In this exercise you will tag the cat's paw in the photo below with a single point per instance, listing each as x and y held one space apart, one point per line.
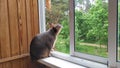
50 55
52 49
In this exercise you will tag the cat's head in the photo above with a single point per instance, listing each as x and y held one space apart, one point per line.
56 28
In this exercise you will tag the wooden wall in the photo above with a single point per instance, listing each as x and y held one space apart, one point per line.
18 25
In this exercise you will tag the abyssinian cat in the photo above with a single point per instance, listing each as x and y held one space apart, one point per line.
43 43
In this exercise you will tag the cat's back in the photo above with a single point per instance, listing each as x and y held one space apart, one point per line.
39 38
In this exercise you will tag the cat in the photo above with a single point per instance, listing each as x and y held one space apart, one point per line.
42 44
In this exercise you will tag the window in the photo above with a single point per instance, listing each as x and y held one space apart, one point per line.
57 12
99 43
91 27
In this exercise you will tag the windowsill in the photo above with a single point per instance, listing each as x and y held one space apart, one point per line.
61 60
54 62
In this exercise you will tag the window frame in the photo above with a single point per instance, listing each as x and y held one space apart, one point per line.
118 61
41 10
111 61
72 39
112 33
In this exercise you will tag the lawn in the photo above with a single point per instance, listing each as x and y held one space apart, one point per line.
93 50
63 45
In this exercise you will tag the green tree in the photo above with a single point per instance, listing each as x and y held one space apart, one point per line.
81 27
92 25
59 14
59 11
98 19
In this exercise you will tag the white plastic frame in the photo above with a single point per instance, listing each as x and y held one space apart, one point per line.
42 24
72 42
112 38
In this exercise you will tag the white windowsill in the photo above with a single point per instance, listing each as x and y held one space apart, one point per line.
61 60
54 62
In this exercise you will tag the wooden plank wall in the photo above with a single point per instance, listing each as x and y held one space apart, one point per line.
18 25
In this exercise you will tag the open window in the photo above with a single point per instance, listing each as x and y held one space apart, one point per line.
91 28
57 11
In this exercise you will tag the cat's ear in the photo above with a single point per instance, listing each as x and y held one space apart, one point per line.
51 25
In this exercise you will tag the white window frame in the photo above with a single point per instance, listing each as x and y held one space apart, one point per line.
41 9
112 48
72 42
118 62
112 33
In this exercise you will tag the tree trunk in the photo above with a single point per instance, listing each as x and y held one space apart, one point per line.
48 5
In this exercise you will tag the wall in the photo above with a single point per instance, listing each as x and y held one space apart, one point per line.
18 25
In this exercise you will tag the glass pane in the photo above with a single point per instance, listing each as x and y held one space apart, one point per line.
118 30
57 12
91 27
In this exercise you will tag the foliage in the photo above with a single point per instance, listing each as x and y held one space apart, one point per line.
62 43
59 14
58 11
91 50
93 24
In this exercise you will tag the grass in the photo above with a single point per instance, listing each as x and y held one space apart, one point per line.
91 50
84 49
62 45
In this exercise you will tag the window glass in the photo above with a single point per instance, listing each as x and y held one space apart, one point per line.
118 50
57 12
91 27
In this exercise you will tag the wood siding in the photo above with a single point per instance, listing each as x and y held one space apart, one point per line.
18 25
